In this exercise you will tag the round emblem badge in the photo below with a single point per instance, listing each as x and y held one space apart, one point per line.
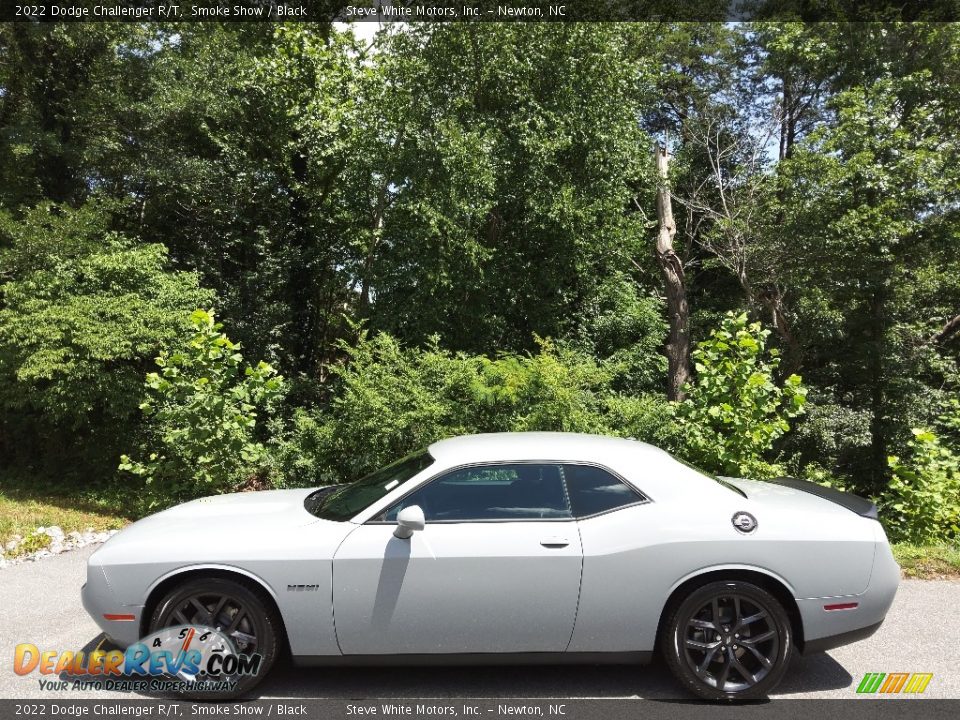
744 522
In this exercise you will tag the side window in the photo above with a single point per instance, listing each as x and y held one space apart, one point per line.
492 492
593 490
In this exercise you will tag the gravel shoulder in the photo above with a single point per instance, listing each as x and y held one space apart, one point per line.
40 603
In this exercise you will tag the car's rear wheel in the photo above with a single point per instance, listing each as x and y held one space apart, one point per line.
234 609
728 641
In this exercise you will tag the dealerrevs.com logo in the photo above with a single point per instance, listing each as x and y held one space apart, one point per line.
185 658
891 683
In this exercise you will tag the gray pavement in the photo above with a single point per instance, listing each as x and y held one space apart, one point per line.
40 603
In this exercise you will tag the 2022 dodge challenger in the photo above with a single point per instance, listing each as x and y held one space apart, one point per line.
511 548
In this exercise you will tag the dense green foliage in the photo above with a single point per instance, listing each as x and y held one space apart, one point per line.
392 400
923 505
202 415
735 411
81 311
480 199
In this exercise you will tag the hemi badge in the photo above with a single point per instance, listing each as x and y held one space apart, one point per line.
841 606
124 618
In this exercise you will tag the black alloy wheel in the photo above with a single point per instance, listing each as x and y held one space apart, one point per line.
728 641
233 608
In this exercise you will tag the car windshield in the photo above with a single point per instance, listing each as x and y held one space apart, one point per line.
342 503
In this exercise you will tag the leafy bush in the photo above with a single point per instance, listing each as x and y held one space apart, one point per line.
202 409
923 504
34 542
650 418
734 411
816 473
557 389
626 329
82 311
831 435
393 400
299 451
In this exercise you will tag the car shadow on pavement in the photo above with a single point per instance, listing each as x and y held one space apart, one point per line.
816 673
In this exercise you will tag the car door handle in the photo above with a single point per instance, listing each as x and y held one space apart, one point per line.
554 542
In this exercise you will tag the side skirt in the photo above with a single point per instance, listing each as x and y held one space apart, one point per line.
467 659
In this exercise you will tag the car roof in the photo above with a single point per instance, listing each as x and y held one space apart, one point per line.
651 470
542 446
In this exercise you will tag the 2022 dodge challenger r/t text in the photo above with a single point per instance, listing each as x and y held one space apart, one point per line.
511 548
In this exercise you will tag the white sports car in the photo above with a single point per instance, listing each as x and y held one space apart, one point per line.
513 548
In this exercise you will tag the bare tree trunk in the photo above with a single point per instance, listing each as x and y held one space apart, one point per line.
772 299
877 373
376 229
302 280
785 120
678 312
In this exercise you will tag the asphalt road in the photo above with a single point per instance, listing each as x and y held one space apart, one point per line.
40 603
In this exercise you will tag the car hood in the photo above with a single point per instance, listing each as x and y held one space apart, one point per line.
222 526
267 504
268 508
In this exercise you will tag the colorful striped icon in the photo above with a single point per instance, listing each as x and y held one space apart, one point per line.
894 683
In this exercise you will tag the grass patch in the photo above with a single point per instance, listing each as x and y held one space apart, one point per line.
32 543
928 562
26 504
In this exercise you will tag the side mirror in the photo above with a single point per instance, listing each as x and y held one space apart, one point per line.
409 520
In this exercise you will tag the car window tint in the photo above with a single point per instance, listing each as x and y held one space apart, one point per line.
593 490
492 492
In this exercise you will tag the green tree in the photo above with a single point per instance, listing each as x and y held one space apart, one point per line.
734 411
81 312
68 94
923 505
868 202
518 156
217 189
202 409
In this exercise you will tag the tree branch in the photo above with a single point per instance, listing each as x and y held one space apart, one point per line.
947 331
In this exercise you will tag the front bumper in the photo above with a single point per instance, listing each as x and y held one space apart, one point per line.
120 623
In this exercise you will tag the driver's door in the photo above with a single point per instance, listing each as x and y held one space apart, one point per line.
495 570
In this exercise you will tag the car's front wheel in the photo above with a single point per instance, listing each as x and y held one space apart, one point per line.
232 608
728 641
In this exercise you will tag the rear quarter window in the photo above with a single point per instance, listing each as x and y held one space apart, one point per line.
594 490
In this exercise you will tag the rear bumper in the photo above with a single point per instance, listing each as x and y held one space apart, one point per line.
811 647
827 624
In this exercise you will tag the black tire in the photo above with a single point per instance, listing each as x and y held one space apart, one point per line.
258 620
728 641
